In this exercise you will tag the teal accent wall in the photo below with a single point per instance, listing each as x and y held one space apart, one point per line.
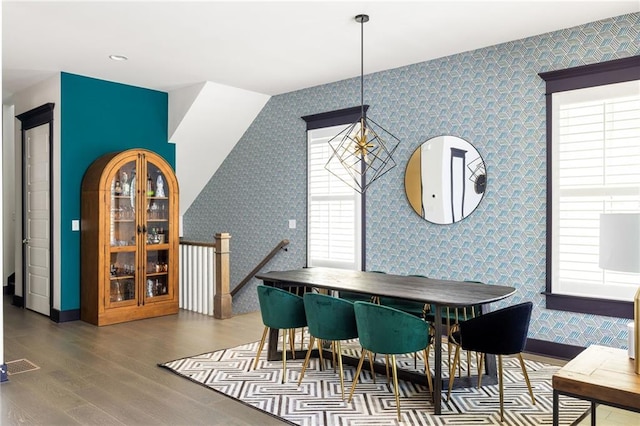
491 97
98 117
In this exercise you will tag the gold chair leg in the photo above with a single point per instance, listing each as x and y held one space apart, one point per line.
301 337
395 385
526 378
320 352
333 356
501 381
448 334
373 373
480 370
292 342
260 346
284 355
306 359
340 366
386 366
355 378
427 369
452 372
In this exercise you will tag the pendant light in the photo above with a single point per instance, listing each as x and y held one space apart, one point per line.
362 152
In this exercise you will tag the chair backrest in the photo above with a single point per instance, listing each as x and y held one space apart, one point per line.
354 297
280 308
501 332
386 330
330 318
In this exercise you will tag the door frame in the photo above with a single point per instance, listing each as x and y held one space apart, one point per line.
30 119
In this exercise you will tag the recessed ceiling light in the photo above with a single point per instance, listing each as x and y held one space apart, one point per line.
118 57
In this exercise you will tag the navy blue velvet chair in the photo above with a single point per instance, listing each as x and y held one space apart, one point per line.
501 332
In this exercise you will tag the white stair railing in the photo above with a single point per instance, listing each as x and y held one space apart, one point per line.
197 277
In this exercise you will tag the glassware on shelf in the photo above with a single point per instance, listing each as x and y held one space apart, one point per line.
150 191
159 186
126 187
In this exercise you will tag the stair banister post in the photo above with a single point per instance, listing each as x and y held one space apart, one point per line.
222 307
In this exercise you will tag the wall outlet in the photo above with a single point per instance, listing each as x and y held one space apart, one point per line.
75 225
292 224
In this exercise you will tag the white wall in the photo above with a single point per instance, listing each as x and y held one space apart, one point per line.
34 96
8 193
205 122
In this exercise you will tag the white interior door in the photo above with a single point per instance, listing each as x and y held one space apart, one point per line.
37 220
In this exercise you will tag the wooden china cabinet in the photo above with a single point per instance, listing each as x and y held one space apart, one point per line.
129 238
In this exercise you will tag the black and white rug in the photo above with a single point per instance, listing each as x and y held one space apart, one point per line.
318 401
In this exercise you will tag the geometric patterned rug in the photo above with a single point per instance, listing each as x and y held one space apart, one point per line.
318 401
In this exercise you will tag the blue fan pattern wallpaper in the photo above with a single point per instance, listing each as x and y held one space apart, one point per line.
491 97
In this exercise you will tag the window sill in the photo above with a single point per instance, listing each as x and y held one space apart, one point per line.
589 305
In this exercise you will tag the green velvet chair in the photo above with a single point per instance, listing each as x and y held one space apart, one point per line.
412 307
501 332
332 319
359 297
281 310
354 297
389 331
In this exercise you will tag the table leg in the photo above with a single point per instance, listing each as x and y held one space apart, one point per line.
593 413
272 346
555 408
437 380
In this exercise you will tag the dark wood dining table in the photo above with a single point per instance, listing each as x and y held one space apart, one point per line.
439 293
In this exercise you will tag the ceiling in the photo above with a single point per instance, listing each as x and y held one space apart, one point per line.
267 47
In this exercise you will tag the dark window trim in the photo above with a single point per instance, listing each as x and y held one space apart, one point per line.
610 72
336 118
589 305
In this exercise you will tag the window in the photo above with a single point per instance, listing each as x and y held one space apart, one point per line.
593 148
333 211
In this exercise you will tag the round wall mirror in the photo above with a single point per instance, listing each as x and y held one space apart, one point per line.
445 179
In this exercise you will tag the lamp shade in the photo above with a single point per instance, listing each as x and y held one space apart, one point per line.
620 242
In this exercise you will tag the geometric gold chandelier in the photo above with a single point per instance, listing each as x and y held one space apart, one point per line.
362 152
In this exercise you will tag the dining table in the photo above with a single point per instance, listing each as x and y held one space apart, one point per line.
438 293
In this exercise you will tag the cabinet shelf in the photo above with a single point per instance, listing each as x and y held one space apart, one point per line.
131 248
121 277
155 247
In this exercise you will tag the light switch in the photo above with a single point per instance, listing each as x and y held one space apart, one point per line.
292 224
75 225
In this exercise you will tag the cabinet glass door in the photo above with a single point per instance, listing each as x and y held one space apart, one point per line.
157 283
157 225
122 231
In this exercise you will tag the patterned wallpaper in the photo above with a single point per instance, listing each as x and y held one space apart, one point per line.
491 97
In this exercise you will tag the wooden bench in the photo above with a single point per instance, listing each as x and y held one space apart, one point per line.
601 375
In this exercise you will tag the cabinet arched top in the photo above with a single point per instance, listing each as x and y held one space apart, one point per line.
100 173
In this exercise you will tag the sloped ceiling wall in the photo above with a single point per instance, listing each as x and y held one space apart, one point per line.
205 122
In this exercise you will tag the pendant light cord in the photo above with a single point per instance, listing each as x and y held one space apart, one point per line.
362 67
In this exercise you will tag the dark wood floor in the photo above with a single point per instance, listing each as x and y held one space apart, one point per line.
109 375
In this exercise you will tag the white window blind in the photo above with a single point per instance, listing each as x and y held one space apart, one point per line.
333 213
596 152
